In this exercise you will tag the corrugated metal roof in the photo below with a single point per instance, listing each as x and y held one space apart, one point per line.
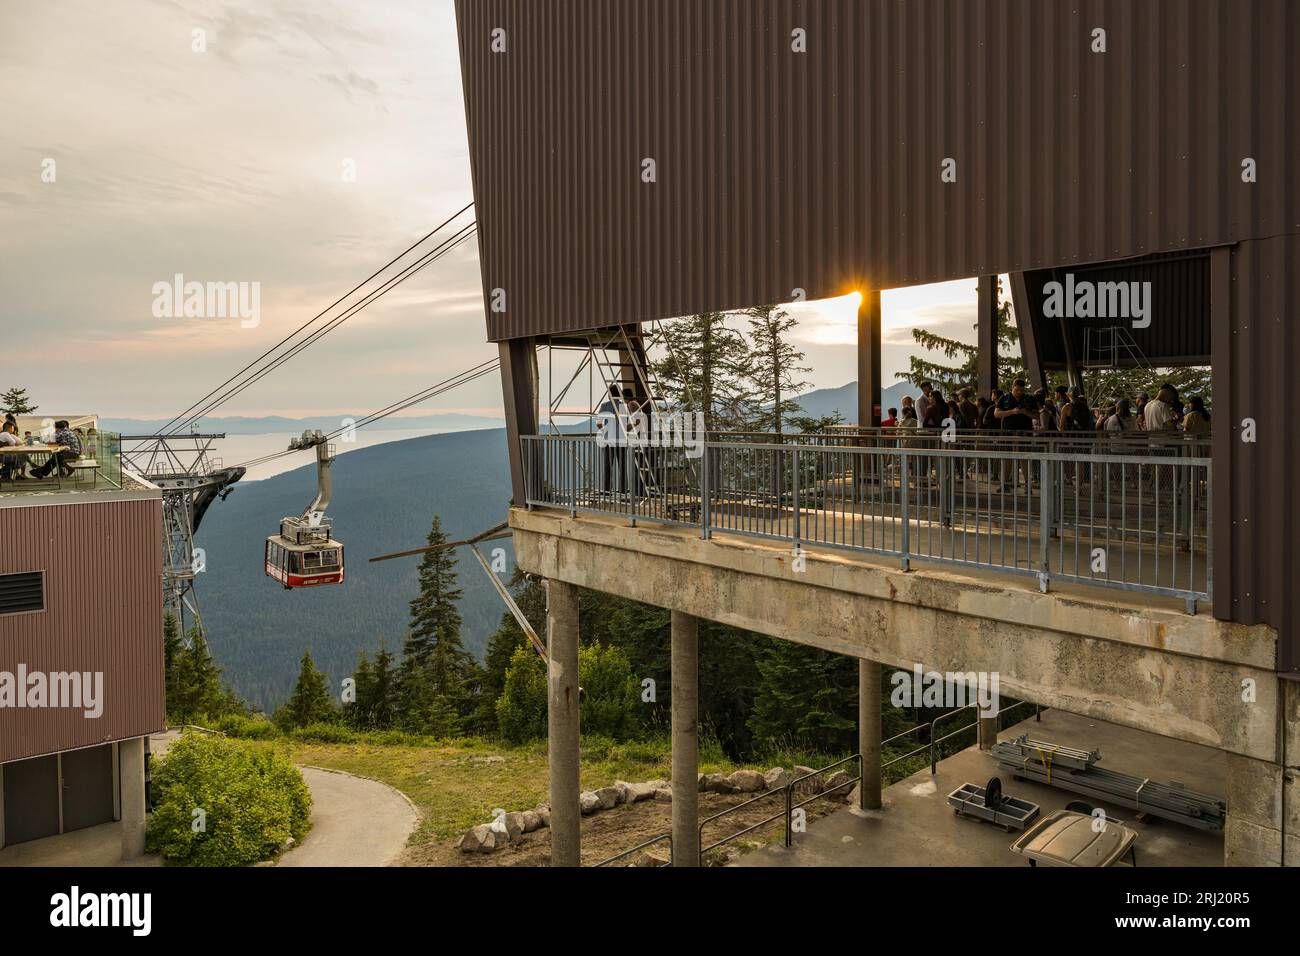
821 170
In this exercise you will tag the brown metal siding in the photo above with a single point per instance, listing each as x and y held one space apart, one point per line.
1179 333
821 170
103 596
1256 521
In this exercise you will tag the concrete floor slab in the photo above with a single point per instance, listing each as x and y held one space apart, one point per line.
916 827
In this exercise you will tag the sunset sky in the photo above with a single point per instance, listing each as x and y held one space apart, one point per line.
226 165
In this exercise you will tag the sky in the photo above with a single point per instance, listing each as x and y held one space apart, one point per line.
296 144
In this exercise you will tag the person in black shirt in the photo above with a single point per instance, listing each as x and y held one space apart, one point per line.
1015 413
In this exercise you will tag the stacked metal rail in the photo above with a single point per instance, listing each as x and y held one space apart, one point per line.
1076 770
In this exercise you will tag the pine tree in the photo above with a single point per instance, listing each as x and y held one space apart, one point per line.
950 379
357 712
15 401
710 376
434 614
173 648
197 683
772 369
381 702
438 677
805 697
530 596
310 701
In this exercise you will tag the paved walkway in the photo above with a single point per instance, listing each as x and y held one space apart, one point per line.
355 822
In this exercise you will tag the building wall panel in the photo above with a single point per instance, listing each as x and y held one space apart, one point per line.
821 170
103 594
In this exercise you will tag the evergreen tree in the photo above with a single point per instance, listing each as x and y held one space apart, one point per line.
805 696
439 678
381 700
530 596
173 648
949 379
310 701
15 401
435 618
423 708
357 712
710 375
772 369
197 688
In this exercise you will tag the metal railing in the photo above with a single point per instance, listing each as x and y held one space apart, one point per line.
662 838
99 466
787 792
789 806
1137 521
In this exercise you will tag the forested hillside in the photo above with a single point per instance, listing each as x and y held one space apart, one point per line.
385 498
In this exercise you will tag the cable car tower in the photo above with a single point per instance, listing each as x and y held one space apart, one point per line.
304 553
182 467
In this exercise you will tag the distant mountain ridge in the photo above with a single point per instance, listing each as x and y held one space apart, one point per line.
826 401
385 498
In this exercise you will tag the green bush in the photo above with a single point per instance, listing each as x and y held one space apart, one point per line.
247 728
252 800
325 733
611 700
610 696
521 708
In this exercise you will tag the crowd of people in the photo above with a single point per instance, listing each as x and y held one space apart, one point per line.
1064 410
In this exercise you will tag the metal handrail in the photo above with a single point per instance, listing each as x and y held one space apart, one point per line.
722 813
790 788
960 730
663 837
923 501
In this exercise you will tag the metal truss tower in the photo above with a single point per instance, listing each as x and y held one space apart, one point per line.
191 479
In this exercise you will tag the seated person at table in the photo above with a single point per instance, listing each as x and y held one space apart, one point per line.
65 436
9 436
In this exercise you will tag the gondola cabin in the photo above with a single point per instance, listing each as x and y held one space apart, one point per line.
303 556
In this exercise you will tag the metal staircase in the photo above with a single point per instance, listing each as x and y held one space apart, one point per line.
614 357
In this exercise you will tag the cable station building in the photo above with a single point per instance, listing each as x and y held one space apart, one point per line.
81 659
638 162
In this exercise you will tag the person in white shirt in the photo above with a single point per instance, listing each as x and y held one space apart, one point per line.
1159 413
923 403
1121 420
9 436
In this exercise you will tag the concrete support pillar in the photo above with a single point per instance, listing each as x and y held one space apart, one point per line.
131 766
562 721
988 732
686 739
869 733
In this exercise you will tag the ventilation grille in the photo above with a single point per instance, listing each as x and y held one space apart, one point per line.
22 592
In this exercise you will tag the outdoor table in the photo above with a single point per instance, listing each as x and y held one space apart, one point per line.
28 451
